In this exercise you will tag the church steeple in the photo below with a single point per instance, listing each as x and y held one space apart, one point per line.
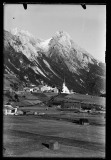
64 80
64 88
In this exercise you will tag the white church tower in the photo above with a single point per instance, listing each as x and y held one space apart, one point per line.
65 89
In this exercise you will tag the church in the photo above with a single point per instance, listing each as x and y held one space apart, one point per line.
65 89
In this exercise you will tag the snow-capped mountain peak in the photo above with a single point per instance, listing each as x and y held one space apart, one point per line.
62 34
51 60
14 31
17 31
26 33
45 44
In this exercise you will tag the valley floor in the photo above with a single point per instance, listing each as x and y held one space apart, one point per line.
25 136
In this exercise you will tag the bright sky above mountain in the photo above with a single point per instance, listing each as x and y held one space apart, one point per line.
86 27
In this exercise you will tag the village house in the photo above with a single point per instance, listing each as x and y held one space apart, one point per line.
55 104
35 89
46 88
83 121
26 89
9 110
55 90
41 88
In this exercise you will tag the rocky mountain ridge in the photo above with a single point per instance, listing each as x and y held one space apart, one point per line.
33 60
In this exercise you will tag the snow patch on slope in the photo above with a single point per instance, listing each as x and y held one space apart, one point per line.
35 69
13 65
38 69
9 71
72 68
49 67
47 64
81 80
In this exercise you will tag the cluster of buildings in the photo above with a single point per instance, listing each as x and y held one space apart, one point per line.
62 103
42 88
46 88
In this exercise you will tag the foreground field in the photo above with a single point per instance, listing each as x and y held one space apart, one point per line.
25 136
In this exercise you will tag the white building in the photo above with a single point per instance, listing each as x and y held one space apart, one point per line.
35 89
65 89
9 110
48 88
55 90
31 89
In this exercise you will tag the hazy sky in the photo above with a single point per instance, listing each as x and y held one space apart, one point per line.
86 27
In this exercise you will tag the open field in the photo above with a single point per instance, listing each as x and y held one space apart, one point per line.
24 137
53 113
84 98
